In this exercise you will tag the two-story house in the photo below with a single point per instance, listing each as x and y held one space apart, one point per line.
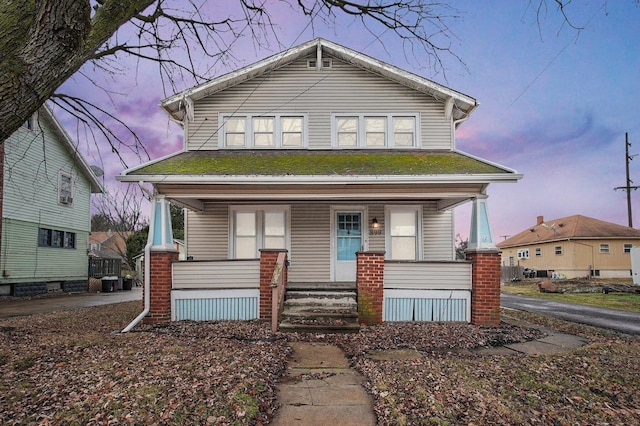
45 210
346 163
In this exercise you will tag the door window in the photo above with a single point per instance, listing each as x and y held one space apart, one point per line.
349 233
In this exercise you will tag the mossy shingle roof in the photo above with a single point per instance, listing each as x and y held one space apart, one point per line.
318 163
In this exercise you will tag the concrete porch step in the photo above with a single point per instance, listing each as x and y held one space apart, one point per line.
320 310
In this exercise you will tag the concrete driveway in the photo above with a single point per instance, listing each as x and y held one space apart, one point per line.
624 322
65 301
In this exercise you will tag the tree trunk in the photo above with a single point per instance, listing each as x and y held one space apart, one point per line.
42 43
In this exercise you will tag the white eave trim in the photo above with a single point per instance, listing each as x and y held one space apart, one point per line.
318 179
172 104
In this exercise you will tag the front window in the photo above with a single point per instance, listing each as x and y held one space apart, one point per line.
257 131
375 130
403 233
253 229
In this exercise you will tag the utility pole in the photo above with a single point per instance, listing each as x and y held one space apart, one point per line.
629 187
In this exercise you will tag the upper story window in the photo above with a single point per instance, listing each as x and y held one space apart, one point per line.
523 254
558 250
375 130
30 123
65 188
627 248
538 251
604 248
261 131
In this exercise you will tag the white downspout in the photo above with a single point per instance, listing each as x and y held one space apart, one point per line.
147 270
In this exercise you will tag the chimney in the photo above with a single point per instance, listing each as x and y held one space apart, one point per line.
540 220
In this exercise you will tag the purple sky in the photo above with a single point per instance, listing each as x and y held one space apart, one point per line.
555 103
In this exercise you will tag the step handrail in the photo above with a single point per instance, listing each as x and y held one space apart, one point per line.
278 287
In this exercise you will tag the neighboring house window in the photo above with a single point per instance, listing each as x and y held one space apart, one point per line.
56 238
253 229
604 248
403 233
276 131
627 248
538 252
511 261
558 250
375 131
523 254
65 188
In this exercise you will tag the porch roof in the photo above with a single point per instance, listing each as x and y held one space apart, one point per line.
286 165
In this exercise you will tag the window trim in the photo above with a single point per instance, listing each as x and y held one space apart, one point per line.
361 133
51 241
249 142
65 200
417 209
260 235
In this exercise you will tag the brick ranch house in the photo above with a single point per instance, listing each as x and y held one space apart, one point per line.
341 164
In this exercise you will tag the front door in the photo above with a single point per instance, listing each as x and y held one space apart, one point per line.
347 239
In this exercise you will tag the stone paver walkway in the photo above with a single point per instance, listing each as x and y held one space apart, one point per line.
319 388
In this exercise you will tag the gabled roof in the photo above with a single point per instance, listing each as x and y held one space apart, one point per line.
322 165
576 227
462 105
72 149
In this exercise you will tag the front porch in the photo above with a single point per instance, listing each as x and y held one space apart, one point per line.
385 291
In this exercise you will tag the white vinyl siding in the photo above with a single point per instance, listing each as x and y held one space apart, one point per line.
347 86
216 274
207 232
310 243
438 228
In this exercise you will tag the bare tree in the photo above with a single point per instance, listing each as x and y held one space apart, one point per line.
43 43
121 213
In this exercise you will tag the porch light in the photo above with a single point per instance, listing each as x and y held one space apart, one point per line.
375 224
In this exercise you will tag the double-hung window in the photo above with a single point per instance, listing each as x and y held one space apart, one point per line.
65 188
403 232
263 131
253 228
375 130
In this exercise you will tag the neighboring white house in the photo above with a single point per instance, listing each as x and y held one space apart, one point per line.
324 152
46 210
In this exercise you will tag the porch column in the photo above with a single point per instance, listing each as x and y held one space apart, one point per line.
370 284
268 258
160 253
485 273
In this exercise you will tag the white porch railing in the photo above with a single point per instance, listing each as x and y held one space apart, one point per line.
427 275
427 291
216 274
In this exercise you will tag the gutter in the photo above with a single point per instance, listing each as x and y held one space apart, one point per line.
147 272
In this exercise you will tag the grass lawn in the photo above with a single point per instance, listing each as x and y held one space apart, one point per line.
620 301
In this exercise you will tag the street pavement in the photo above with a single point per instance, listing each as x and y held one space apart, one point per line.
65 301
622 321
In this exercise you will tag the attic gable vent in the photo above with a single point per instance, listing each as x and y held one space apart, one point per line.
312 63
